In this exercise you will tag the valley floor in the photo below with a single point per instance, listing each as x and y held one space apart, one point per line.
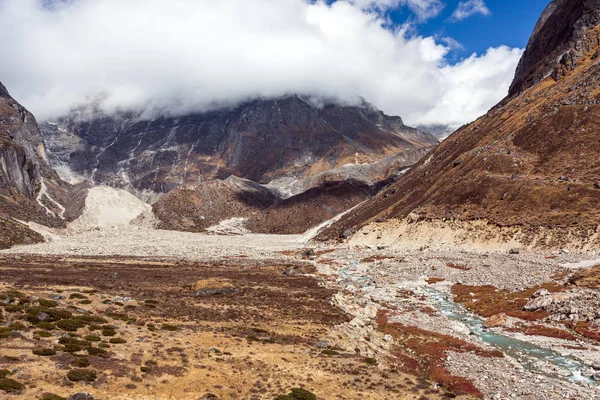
342 322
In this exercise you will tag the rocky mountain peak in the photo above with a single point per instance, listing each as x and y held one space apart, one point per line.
559 39
259 139
3 91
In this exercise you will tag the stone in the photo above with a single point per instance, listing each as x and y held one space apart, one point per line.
540 293
539 303
209 396
81 396
210 287
413 217
348 233
322 344
308 254
597 185
43 316
122 299
496 321
514 251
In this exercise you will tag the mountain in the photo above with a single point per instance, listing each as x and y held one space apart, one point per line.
438 130
30 190
259 140
526 174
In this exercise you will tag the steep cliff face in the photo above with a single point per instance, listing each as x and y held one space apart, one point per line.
559 40
531 163
260 140
29 188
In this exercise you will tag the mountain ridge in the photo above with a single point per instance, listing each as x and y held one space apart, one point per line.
527 173
260 140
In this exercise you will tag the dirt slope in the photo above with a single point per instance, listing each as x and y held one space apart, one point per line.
531 162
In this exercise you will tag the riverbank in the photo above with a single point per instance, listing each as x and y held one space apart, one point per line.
396 317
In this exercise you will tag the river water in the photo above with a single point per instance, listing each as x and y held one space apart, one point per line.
529 355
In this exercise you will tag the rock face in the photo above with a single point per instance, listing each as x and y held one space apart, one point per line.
532 161
195 208
286 206
559 41
260 140
30 190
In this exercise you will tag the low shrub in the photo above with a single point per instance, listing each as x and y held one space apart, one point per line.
11 386
81 375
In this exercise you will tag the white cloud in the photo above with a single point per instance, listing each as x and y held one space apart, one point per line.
468 8
423 9
180 56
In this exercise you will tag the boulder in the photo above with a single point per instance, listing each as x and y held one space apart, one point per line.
514 251
538 304
413 217
496 321
81 396
540 293
210 287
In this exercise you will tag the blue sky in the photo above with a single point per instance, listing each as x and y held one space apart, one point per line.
510 23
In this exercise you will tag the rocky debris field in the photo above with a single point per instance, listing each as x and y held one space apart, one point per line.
365 322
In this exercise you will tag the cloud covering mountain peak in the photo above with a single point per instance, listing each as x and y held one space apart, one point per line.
178 56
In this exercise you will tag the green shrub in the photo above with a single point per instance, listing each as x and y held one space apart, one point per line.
4 332
145 369
70 325
90 319
81 375
117 341
104 345
370 361
51 396
47 303
11 386
47 326
168 327
109 332
4 373
302 394
92 338
297 394
17 326
96 351
14 308
80 362
119 316
85 302
45 352
328 352
95 327
77 296
42 334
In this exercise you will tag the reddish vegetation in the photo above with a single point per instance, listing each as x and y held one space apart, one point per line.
375 258
540 330
488 300
424 353
588 278
458 266
431 281
585 330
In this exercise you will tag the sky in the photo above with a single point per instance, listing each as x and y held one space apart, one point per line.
429 61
